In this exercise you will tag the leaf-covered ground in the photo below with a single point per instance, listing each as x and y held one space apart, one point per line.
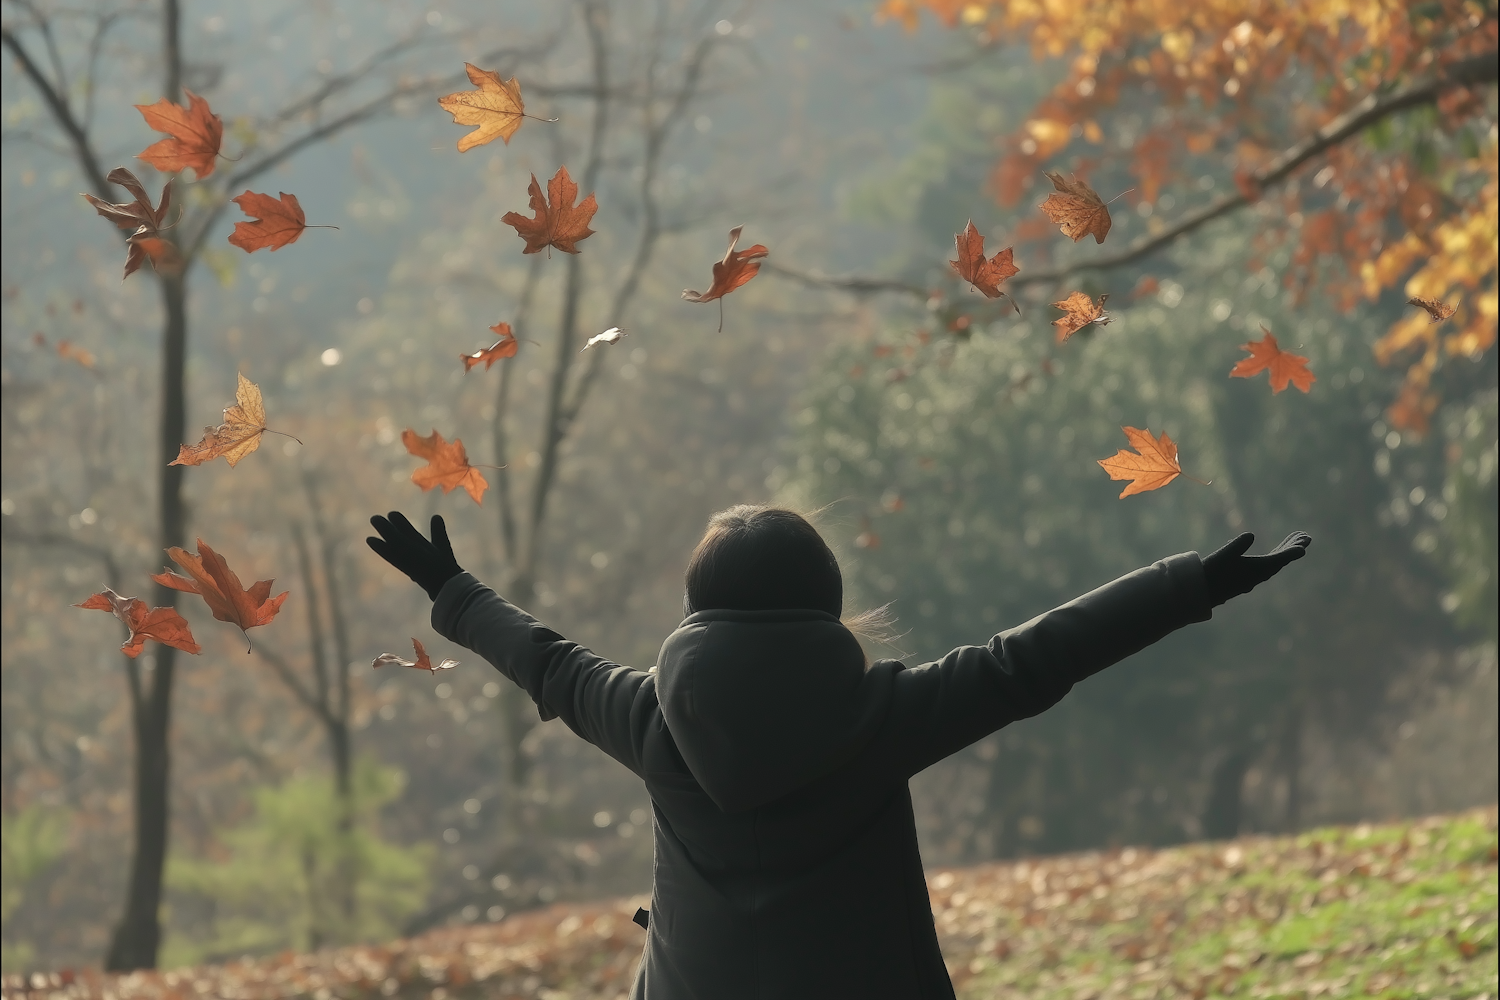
1399 910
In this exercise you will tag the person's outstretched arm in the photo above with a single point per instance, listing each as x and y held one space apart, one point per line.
605 703
943 706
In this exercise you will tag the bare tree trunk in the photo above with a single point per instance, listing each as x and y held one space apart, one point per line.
137 937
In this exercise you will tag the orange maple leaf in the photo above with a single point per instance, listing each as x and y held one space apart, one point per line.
506 347
210 577
196 134
558 223
496 107
237 436
422 662
1077 209
164 625
1080 311
736 268
273 223
1435 308
447 465
1153 465
146 241
1265 354
985 275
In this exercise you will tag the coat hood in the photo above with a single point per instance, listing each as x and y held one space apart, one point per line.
761 703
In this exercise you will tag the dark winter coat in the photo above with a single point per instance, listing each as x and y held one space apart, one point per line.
786 862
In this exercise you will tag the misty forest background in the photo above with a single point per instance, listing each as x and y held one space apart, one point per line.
955 471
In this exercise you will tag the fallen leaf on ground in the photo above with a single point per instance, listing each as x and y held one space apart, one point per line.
422 662
146 241
447 465
505 347
196 134
985 275
237 436
210 577
496 107
610 336
1439 311
273 223
1080 311
558 222
737 267
1155 466
1266 355
164 625
1077 209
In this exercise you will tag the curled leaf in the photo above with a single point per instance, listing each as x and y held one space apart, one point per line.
146 241
236 437
737 267
1435 308
1080 311
610 336
164 625
1077 209
985 275
422 662
505 347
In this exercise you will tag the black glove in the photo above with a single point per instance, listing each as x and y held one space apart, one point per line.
430 564
1230 573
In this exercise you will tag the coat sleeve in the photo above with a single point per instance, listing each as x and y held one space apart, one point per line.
609 705
942 707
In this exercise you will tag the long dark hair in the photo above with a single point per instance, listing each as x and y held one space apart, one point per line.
755 557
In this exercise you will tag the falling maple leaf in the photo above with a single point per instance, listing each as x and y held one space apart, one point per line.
558 223
1080 311
610 336
1265 355
210 577
196 134
985 275
164 625
505 347
737 267
237 436
422 662
273 223
1155 466
1438 310
1077 209
496 107
447 465
146 241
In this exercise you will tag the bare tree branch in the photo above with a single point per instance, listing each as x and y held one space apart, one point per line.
1374 108
292 681
62 112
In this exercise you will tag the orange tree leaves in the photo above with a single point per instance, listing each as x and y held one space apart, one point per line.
422 662
985 275
1079 311
1150 467
1266 355
196 134
237 436
210 577
447 465
736 268
496 107
505 347
164 625
558 222
147 223
1077 210
273 223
